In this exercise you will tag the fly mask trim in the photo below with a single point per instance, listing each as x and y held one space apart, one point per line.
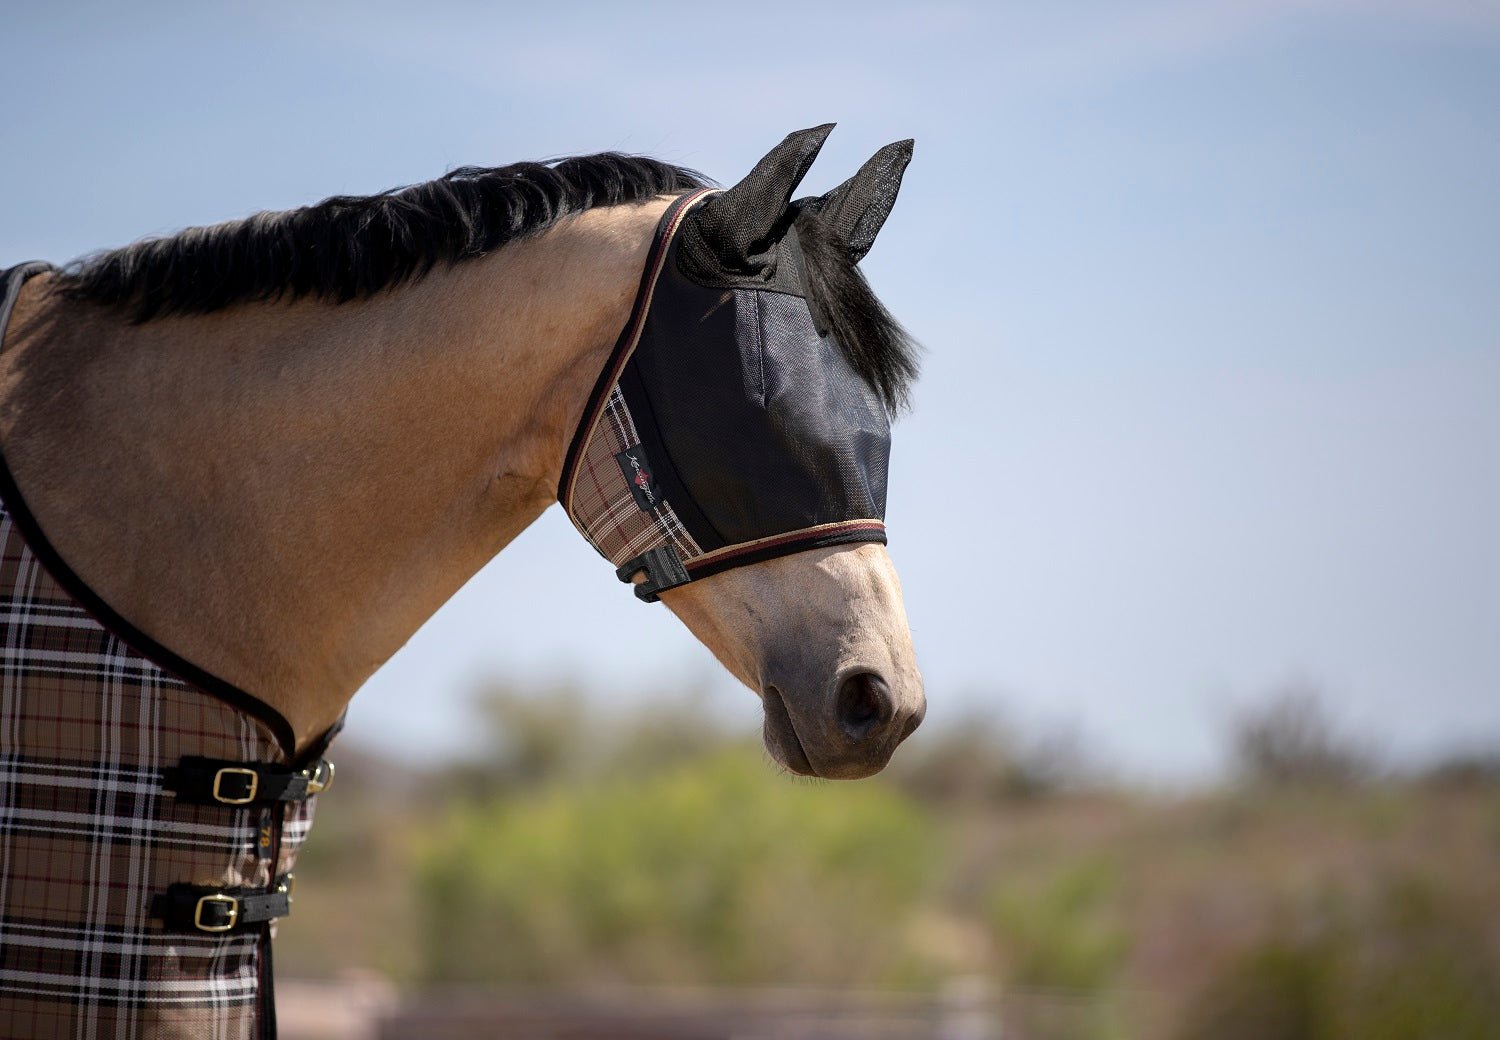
606 510
725 429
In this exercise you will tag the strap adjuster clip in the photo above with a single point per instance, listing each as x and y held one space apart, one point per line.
236 771
320 777
664 570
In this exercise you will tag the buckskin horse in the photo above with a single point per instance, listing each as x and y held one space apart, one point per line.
243 463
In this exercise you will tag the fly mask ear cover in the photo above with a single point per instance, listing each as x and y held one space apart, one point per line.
725 429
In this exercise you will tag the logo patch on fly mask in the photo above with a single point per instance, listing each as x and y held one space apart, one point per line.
637 470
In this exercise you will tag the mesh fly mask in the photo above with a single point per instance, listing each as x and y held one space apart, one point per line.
730 425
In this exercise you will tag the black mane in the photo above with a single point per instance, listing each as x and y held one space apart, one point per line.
352 247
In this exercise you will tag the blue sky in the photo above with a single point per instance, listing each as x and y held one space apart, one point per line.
1208 291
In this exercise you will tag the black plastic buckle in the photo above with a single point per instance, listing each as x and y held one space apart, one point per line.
664 570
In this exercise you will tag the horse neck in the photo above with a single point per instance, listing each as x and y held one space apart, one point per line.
282 494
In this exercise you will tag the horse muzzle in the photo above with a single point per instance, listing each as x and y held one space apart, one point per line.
847 732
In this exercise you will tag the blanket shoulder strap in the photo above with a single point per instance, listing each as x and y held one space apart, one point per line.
212 781
219 911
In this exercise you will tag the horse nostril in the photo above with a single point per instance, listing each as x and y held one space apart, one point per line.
864 705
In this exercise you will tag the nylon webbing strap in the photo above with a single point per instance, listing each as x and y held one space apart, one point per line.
220 911
212 781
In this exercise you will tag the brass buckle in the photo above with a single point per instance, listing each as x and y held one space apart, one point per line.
289 888
320 777
216 897
236 771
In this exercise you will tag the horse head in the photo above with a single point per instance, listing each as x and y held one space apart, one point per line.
732 458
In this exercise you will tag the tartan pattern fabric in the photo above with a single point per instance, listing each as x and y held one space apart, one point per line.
597 496
603 505
88 835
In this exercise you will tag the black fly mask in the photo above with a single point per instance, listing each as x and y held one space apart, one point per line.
730 425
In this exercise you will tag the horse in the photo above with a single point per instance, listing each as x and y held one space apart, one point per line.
240 465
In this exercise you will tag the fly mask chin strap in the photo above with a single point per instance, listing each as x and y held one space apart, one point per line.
728 426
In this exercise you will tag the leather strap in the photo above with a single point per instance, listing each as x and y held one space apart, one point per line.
212 781
197 909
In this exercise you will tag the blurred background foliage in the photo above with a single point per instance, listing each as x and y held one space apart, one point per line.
1318 892
715 872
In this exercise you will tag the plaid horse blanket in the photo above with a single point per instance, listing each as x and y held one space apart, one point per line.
89 835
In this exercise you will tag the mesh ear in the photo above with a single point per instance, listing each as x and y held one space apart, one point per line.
857 208
738 225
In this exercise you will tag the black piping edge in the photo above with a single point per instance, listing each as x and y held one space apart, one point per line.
267 980
872 532
267 967
666 229
102 612
127 633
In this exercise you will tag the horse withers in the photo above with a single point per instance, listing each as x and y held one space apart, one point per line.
242 464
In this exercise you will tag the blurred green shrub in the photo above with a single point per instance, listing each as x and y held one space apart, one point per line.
977 760
1415 965
1064 934
719 871
1464 770
1290 740
1063 931
542 736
